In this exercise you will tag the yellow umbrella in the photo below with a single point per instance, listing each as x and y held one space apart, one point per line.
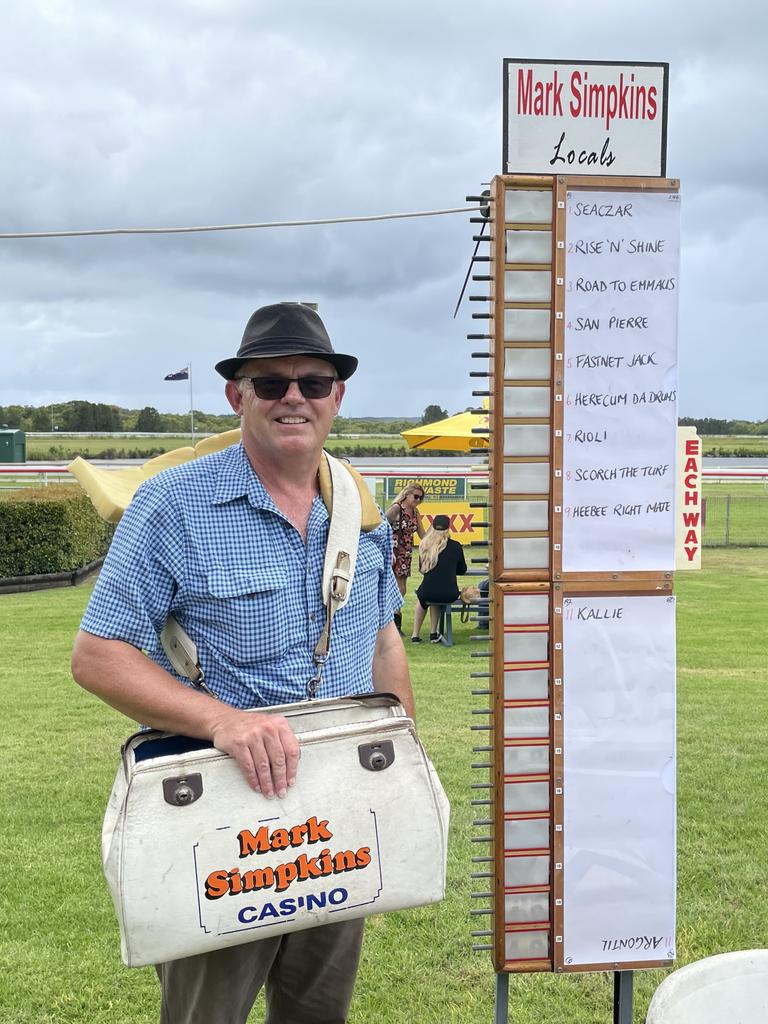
454 434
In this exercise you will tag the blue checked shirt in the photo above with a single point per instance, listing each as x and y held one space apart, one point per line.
206 543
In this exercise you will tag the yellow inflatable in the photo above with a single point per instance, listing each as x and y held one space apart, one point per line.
111 490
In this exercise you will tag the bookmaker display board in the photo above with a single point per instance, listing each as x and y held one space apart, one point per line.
620 381
582 335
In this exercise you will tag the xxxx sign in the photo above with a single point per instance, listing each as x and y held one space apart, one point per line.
463 519
461 522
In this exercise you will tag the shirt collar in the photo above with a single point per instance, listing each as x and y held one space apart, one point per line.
238 479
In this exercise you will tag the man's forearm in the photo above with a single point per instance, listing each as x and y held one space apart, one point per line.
390 668
263 745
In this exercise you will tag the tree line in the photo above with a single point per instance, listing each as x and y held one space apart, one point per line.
707 425
97 417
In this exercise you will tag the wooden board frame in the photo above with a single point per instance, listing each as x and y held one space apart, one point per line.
523 182
497 778
550 580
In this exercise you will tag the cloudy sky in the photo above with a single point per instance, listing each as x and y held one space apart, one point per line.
227 111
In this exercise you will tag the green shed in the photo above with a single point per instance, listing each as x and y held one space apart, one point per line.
13 446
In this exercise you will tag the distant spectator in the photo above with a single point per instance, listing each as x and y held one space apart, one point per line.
405 520
441 560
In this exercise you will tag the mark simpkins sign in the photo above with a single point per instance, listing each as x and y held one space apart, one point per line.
585 117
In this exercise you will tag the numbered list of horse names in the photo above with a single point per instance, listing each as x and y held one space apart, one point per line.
620 381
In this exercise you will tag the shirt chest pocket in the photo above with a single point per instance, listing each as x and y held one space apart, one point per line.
361 613
247 614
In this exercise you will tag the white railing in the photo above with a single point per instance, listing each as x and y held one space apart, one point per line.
13 477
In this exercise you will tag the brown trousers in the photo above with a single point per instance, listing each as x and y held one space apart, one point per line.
309 977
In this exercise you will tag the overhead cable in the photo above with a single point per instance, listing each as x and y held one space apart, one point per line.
233 227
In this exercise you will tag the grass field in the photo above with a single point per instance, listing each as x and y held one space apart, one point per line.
88 447
59 948
736 518
394 445
724 444
742 488
712 444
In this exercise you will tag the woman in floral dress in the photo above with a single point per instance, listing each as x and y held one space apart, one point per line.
404 518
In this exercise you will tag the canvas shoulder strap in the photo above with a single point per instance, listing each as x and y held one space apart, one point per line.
340 558
343 533
181 650
346 516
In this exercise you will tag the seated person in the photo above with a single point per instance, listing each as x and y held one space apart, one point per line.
441 560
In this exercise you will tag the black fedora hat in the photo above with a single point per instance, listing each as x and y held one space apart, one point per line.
286 329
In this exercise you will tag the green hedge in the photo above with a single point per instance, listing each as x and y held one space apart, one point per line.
50 529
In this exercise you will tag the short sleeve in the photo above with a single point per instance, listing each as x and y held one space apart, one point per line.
461 562
141 573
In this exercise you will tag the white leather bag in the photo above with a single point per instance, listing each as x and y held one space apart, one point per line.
196 860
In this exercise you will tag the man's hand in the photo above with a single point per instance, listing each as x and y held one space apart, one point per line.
264 747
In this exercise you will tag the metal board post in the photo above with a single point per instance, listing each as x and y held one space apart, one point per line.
501 1005
622 997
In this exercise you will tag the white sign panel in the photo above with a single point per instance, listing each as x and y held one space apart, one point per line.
619 779
585 117
620 381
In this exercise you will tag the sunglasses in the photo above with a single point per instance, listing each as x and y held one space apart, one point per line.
418 497
273 388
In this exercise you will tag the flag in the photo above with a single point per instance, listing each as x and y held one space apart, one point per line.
179 375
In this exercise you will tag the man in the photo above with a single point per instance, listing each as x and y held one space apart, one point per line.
233 546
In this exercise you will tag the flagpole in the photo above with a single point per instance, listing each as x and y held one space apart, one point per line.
191 405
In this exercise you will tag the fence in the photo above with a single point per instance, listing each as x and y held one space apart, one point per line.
729 520
15 478
735 520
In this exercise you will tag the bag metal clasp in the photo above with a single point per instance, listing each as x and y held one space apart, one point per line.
183 789
375 757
